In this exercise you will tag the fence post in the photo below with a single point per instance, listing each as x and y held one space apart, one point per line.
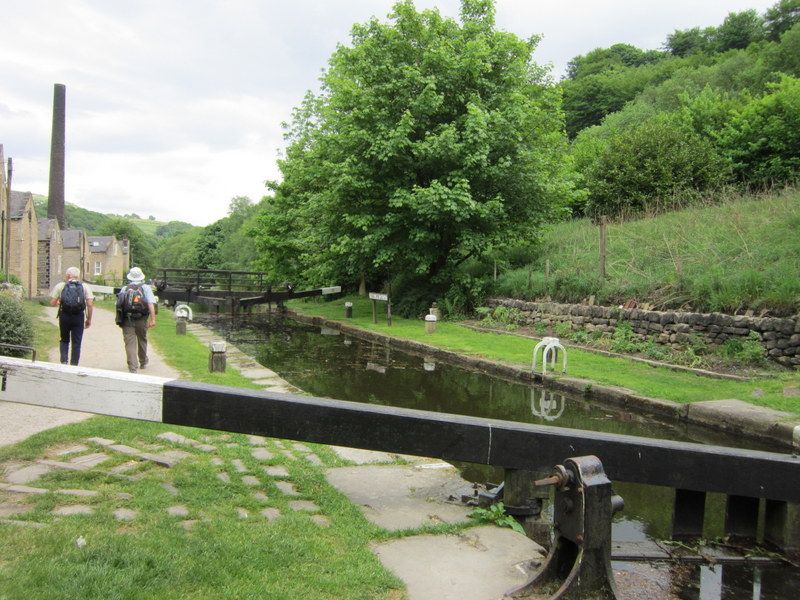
217 357
602 247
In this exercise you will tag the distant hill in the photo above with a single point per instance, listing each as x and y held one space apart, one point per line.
92 222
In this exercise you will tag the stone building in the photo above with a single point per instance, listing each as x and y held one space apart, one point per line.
76 251
51 268
23 240
109 259
3 213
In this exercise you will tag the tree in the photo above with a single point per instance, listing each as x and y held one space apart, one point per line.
601 60
739 30
430 142
763 139
142 246
690 41
781 17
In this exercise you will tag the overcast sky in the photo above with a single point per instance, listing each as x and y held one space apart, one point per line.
174 106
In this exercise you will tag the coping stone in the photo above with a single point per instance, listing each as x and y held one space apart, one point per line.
399 497
479 563
362 457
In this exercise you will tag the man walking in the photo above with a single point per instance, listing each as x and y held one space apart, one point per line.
75 305
137 311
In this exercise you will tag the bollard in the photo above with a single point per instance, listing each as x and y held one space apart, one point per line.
348 310
434 310
430 323
180 326
216 357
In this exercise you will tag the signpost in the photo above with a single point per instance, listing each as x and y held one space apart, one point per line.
381 298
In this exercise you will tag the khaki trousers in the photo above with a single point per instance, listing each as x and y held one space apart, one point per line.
134 332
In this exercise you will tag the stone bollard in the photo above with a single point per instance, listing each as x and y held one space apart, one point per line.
430 323
434 310
216 357
348 310
180 326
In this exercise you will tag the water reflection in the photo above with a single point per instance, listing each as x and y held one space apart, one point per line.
547 404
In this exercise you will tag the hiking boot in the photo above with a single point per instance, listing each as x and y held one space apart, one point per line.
144 364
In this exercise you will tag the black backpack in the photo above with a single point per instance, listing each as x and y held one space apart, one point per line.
73 300
132 303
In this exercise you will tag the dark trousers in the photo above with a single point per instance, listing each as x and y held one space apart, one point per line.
71 327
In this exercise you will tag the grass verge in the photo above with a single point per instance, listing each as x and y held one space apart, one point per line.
212 552
641 378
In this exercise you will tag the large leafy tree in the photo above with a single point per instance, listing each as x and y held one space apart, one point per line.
430 142
142 245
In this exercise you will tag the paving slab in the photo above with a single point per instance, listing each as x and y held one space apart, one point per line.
734 415
480 563
27 474
73 509
402 496
362 457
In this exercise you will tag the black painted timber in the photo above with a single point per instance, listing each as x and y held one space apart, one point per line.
505 444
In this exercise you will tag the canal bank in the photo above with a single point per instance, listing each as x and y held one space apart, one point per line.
730 415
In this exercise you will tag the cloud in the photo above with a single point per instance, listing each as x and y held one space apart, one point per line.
174 107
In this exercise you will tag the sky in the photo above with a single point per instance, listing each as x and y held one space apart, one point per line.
175 107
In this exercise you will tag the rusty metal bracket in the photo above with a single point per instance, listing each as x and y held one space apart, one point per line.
579 561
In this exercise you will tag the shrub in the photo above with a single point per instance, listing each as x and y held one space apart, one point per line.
15 326
746 351
660 160
563 329
500 316
624 340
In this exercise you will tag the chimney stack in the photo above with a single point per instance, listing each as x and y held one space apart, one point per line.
55 197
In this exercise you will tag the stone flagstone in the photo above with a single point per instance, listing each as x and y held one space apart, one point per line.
125 514
261 497
256 440
303 505
287 488
100 441
187 525
80 493
22 523
27 474
72 450
9 510
271 513
276 471
73 509
288 454
250 480
262 454
301 447
23 489
224 477
321 520
239 466
124 467
178 511
170 488
314 459
123 496
90 460
217 461
242 513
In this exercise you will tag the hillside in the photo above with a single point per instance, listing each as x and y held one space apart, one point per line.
92 222
738 255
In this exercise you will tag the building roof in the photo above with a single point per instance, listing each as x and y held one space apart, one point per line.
100 243
17 202
71 238
46 228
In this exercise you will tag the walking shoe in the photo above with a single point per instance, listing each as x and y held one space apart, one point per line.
144 364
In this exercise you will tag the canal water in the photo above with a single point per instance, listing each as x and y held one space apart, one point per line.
324 362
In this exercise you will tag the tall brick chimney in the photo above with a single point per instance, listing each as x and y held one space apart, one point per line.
55 196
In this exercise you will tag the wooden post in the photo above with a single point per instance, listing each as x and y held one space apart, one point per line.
602 247
180 326
217 357
389 307
374 312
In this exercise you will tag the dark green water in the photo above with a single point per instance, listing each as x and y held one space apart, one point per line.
325 363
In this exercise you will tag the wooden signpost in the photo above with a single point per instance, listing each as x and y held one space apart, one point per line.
381 298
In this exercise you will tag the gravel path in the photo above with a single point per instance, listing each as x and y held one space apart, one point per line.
102 348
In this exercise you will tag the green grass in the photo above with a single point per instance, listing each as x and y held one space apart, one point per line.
154 557
739 254
641 378
222 556
45 333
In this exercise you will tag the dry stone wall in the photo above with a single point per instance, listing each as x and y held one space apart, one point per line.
779 336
